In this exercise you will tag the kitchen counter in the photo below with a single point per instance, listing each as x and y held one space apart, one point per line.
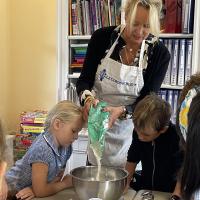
69 194
157 195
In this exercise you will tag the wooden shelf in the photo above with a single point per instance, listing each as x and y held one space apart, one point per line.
173 87
162 35
78 37
74 75
175 35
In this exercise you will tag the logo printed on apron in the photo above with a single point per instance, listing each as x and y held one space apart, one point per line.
103 75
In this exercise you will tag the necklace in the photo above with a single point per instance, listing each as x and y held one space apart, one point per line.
127 55
129 58
130 49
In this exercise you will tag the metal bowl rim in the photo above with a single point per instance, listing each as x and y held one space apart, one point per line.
82 179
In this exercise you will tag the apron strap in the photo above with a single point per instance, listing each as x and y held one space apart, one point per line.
115 43
142 55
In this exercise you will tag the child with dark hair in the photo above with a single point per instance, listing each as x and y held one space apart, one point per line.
156 144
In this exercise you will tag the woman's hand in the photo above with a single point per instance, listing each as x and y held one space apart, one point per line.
26 193
87 106
115 113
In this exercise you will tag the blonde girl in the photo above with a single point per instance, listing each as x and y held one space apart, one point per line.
39 172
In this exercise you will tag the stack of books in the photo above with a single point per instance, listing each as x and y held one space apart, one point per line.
78 56
31 125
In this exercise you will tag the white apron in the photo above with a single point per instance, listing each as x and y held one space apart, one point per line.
117 84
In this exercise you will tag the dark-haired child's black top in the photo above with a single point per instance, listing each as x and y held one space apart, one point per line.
165 152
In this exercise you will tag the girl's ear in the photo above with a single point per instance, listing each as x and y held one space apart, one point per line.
163 130
57 124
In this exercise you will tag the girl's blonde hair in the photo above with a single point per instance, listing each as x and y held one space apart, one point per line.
65 111
2 142
154 7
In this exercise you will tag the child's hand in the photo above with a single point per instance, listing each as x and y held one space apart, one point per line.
26 193
126 189
58 177
67 180
3 190
3 184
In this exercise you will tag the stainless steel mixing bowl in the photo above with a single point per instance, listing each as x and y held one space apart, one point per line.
110 185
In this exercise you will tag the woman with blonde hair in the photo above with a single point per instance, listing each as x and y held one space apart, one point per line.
123 64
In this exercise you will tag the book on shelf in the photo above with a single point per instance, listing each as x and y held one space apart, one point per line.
169 97
188 60
70 16
83 10
76 65
74 18
167 79
181 65
80 18
173 16
104 12
75 69
188 16
175 105
174 67
87 16
78 45
163 94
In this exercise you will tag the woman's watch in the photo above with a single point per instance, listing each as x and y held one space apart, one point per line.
124 113
175 197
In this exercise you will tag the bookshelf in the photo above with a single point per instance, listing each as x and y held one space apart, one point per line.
65 76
